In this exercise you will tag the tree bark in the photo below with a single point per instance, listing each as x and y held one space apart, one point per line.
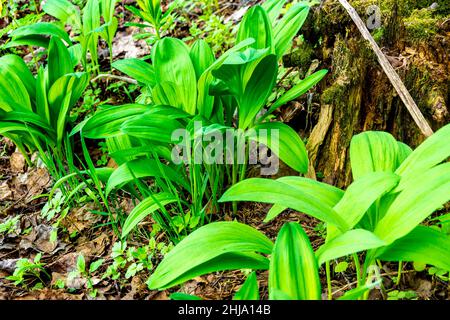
357 95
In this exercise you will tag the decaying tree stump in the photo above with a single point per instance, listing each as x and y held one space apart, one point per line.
357 95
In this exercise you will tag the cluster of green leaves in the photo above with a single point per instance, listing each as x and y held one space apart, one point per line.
30 274
158 20
188 84
129 261
35 111
85 24
10 225
86 273
380 213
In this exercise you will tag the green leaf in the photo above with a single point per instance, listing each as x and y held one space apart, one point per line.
145 208
202 57
360 195
341 266
347 243
419 198
59 61
432 151
95 265
152 126
183 296
141 168
81 264
13 91
40 28
293 266
324 193
214 247
358 292
423 244
273 9
205 100
283 141
172 63
288 27
137 69
255 24
62 10
17 66
249 289
374 151
257 90
106 122
277 192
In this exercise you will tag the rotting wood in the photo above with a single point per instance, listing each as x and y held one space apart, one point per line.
317 137
390 72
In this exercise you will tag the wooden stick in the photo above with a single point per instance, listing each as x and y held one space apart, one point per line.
390 72
111 76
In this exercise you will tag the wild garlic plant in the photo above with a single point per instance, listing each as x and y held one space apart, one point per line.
382 212
188 85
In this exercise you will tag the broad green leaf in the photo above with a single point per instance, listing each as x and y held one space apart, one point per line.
284 142
13 92
276 192
432 151
152 126
273 9
255 24
62 10
41 28
29 118
202 57
249 289
358 292
257 90
205 100
293 266
347 243
423 244
137 69
59 61
419 198
324 193
373 151
42 106
183 296
288 27
145 208
213 247
106 121
143 168
16 65
172 63
360 195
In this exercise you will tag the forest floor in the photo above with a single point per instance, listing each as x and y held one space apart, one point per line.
86 233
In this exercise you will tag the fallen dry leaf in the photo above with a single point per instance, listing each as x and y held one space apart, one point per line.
17 162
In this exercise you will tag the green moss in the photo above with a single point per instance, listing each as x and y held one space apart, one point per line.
421 24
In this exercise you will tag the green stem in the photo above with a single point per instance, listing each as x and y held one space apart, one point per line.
358 269
399 273
328 272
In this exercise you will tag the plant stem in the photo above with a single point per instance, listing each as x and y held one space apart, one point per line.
399 273
328 272
358 268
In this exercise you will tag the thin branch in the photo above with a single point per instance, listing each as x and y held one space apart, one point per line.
111 76
390 72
